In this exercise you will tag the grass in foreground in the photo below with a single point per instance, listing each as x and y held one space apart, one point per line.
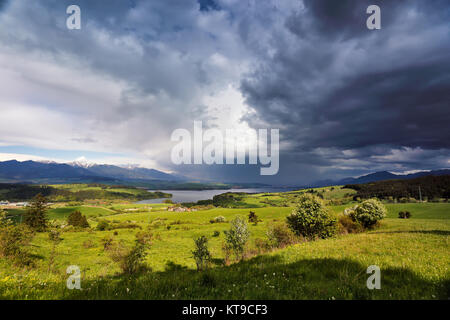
413 256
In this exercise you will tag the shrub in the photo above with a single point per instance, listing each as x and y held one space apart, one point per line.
14 241
216 233
253 218
218 219
145 237
347 225
368 213
404 214
236 238
76 219
310 218
103 225
279 236
107 243
88 244
54 236
35 215
124 225
262 246
201 253
130 260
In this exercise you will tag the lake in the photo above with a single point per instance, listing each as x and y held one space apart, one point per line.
179 196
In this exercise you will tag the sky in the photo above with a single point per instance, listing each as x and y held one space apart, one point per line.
347 100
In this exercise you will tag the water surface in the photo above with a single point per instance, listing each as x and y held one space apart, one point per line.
196 195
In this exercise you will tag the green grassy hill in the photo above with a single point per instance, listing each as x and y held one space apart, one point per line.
413 256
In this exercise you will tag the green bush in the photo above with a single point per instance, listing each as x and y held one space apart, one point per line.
311 218
14 241
145 237
201 253
54 236
107 243
368 213
76 219
218 219
103 225
253 218
347 225
280 236
404 214
130 260
236 238
216 233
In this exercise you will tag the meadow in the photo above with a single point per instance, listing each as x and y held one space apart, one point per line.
413 255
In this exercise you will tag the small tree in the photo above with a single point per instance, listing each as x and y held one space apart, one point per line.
368 213
311 218
201 253
131 260
236 238
76 219
55 237
35 215
253 218
14 241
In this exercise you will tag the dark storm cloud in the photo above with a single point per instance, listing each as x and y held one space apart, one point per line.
330 83
347 100
3 3
206 5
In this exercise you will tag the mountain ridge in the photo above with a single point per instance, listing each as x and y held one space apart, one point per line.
381 176
31 170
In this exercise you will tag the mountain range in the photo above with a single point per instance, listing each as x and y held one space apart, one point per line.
52 172
30 171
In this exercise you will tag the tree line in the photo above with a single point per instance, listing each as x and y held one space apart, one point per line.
428 187
24 192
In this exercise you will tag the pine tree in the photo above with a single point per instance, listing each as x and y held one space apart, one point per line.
76 219
35 215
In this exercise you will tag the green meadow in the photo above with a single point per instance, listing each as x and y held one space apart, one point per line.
413 255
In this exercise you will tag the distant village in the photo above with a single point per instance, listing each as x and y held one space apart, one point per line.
181 209
10 205
13 204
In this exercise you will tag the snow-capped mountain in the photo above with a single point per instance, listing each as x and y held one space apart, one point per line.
32 170
82 163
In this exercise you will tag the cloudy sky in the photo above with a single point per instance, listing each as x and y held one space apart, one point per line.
347 100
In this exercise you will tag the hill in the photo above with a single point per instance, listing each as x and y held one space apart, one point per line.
381 176
427 187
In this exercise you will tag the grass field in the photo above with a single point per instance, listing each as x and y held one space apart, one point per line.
413 255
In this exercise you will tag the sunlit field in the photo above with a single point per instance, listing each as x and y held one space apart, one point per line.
413 255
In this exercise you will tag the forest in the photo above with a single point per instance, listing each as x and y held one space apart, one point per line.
424 188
